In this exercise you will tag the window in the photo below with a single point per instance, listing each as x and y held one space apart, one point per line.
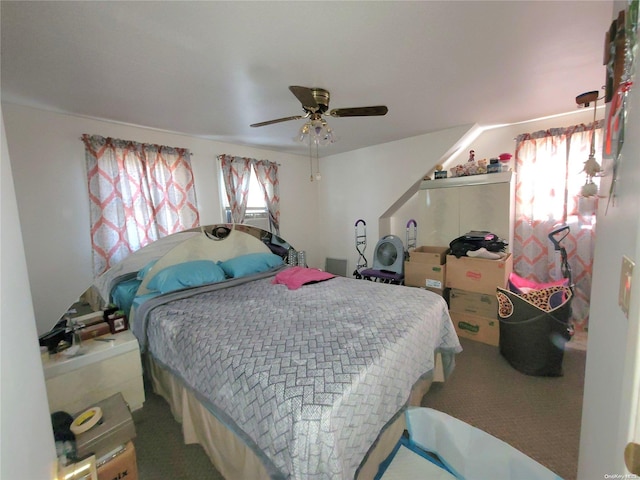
138 193
251 186
549 180
256 213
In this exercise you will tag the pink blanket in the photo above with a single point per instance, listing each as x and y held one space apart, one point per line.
295 277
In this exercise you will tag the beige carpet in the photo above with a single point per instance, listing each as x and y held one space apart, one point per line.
160 452
539 416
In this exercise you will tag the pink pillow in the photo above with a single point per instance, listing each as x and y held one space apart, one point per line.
517 284
295 277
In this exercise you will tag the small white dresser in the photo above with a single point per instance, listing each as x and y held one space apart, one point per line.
101 370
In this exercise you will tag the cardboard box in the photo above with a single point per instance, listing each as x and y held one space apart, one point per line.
478 274
431 255
93 331
475 327
417 274
443 292
116 428
482 304
89 318
121 467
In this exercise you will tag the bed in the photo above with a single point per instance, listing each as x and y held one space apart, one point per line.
280 379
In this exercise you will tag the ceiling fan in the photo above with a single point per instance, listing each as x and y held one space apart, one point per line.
315 103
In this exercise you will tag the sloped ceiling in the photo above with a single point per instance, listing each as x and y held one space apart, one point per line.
210 69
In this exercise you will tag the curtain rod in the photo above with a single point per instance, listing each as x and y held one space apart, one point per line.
580 127
224 154
143 144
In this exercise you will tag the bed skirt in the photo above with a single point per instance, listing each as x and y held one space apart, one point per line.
231 456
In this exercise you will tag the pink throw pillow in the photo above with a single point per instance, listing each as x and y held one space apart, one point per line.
295 277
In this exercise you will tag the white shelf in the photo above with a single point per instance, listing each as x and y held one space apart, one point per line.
91 351
482 179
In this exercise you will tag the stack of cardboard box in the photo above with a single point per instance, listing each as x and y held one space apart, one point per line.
111 441
426 268
472 300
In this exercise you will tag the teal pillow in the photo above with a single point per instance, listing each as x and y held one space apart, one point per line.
249 264
187 274
144 270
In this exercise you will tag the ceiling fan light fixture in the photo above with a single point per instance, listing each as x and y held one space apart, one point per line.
315 103
316 132
303 133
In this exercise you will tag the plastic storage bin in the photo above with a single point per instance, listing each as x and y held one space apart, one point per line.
441 447
534 329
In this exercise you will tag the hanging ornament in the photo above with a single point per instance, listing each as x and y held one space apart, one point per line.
591 167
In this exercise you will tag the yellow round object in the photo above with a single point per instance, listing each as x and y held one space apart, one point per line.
86 420
439 168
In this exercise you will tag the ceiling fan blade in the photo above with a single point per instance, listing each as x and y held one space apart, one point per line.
277 120
305 95
359 111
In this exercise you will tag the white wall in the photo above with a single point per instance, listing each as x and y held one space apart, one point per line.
491 142
48 162
366 183
28 449
502 139
611 382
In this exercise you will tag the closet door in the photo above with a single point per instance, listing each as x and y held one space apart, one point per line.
485 207
452 207
439 221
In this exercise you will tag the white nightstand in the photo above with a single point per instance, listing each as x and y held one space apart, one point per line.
105 368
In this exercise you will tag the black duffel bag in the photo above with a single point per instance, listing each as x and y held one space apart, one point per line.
475 240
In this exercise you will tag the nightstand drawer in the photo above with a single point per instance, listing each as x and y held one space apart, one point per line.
74 383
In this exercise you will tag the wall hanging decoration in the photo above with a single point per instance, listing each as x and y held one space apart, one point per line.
591 166
620 52
618 58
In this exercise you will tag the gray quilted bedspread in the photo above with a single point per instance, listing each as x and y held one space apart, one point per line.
307 377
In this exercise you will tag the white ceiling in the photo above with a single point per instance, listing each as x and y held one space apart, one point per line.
210 69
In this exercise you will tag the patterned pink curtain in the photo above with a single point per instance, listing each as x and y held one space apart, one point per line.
237 174
549 175
137 194
267 174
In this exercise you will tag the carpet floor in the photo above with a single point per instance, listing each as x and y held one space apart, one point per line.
539 416
160 451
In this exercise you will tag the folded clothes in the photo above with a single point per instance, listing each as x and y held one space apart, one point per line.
484 253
